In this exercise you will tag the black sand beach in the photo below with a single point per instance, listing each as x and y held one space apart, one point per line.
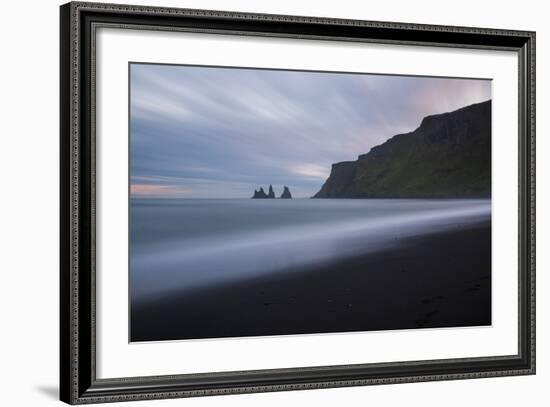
439 280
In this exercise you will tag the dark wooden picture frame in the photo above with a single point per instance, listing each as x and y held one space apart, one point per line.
78 381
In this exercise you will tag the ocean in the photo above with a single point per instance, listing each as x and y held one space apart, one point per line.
181 245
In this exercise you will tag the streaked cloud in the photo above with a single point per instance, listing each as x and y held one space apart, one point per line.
311 170
221 132
159 190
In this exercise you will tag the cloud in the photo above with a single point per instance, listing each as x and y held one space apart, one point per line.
311 170
158 190
236 129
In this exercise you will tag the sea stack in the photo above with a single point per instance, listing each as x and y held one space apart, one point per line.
259 194
271 194
286 193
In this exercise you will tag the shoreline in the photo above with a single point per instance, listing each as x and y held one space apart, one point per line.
437 280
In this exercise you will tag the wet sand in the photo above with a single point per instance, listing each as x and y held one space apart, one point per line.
438 280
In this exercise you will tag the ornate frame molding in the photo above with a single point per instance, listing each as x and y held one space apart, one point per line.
79 21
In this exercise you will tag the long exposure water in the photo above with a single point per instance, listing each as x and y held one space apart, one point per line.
185 244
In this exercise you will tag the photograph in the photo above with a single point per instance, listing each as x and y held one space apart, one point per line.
286 202
259 200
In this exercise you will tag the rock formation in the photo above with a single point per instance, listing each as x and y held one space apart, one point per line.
271 194
260 193
448 156
286 193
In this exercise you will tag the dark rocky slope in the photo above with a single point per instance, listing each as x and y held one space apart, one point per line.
448 156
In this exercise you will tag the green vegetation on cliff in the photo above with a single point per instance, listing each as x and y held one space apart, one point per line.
448 156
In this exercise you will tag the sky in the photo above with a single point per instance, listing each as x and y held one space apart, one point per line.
210 132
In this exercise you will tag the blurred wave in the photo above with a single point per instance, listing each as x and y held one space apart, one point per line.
179 245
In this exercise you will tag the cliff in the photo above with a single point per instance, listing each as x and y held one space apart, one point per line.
447 156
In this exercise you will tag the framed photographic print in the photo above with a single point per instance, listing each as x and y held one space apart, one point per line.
256 203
